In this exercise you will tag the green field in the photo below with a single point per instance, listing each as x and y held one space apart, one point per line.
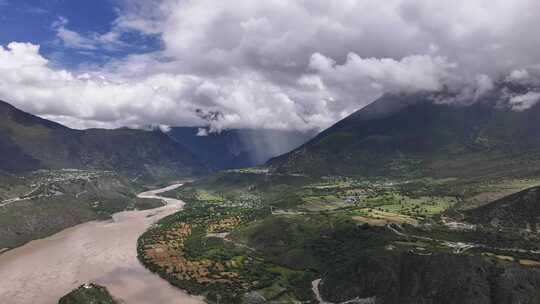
279 233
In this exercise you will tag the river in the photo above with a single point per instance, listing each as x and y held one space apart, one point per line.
103 252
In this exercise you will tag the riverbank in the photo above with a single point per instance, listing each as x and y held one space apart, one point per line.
45 202
103 252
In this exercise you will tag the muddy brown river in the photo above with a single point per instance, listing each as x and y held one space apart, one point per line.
103 252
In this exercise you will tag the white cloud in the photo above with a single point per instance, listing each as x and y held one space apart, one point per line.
74 40
277 64
524 101
162 98
90 41
358 81
202 132
27 81
518 75
484 84
479 35
412 73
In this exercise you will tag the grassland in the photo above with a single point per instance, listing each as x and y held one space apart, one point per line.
471 192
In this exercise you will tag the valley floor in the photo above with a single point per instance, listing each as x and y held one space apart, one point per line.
249 236
252 237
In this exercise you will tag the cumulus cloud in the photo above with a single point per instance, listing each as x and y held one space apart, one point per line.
283 35
484 84
279 64
202 132
409 74
524 101
162 98
518 76
28 81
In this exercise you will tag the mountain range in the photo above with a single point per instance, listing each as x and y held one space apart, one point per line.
28 143
364 239
422 134
237 148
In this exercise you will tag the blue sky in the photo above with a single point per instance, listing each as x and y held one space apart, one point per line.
34 21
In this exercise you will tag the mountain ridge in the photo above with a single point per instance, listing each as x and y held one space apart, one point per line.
28 142
519 210
419 135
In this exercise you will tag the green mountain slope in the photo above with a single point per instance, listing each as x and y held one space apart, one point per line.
412 135
519 211
28 143
44 202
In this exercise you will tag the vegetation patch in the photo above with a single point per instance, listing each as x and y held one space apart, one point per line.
89 294
248 236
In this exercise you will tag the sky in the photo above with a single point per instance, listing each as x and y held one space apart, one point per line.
288 65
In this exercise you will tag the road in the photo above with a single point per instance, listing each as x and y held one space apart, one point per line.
460 247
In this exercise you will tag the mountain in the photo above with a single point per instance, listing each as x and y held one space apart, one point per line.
440 278
417 134
43 202
237 148
519 211
28 142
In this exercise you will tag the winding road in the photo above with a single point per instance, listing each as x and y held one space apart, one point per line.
315 287
460 247
103 252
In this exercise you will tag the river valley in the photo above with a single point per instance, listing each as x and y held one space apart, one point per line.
103 252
